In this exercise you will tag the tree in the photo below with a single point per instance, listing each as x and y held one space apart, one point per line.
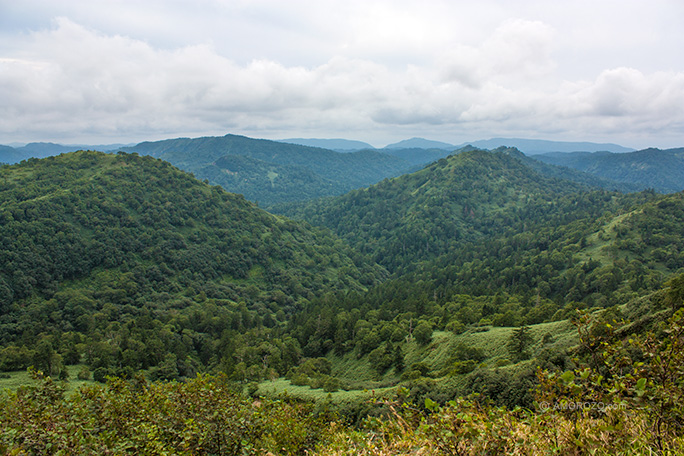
519 343
423 333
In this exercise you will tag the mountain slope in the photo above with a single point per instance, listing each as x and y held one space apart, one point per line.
575 175
90 242
418 216
338 145
539 146
346 170
662 170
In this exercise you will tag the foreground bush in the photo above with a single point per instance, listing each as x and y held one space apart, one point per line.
200 417
625 396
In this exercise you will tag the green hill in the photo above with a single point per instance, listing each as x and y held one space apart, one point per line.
458 199
125 261
321 172
539 294
661 170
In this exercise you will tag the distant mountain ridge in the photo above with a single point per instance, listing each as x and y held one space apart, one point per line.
330 172
420 143
661 170
540 146
336 144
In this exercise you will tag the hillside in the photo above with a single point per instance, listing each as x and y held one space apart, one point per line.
333 172
540 146
483 222
338 145
126 262
458 199
661 170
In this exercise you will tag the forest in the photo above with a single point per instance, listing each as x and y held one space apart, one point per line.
465 308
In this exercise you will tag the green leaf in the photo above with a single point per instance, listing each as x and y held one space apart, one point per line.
430 404
568 376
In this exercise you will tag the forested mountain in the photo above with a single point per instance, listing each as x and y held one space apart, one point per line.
338 145
482 222
457 199
575 175
418 156
126 262
540 146
661 170
495 278
285 166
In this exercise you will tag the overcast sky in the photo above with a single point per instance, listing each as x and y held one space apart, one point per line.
90 71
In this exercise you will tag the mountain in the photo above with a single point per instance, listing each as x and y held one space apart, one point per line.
10 155
417 156
338 145
45 149
103 252
662 170
420 143
563 172
538 146
417 216
333 172
475 218
262 181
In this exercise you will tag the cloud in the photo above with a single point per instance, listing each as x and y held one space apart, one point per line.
73 81
518 51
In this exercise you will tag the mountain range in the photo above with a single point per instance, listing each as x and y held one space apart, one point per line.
482 271
662 170
271 173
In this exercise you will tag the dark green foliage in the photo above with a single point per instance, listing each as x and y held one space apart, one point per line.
519 343
423 333
128 263
661 170
273 172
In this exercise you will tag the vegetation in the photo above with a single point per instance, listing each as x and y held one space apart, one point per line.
126 263
475 307
290 172
661 170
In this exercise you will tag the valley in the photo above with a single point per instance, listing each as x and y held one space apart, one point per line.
481 276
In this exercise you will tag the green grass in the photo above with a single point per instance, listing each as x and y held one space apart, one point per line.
20 378
364 384
339 400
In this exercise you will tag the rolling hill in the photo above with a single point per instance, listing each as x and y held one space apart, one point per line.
331 172
102 252
661 170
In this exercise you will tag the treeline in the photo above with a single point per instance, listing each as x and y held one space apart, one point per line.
623 394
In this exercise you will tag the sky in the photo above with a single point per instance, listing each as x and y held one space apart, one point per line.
119 71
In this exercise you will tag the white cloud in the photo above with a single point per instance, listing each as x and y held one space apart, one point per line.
411 74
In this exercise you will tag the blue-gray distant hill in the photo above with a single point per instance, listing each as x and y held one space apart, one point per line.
338 145
273 172
661 170
539 146
11 155
421 143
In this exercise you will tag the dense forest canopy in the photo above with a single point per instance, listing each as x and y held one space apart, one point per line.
478 274
106 250
274 172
